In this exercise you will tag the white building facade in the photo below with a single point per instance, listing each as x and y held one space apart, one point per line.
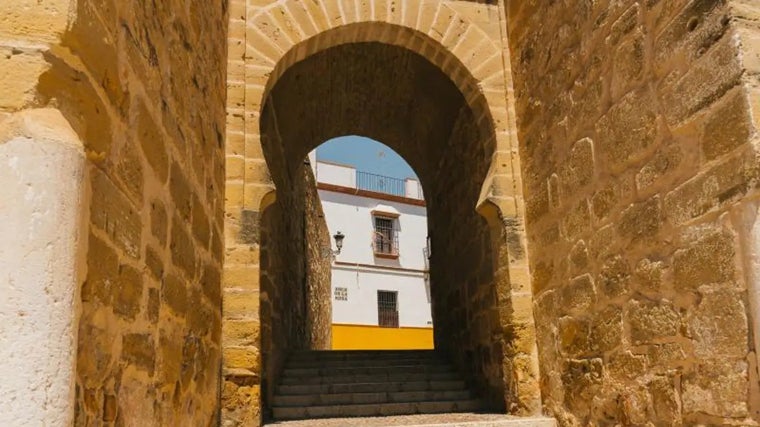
380 287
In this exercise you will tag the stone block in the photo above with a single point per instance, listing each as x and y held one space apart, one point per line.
112 212
211 283
641 220
241 332
634 404
33 22
183 251
614 278
716 387
152 142
249 227
128 172
159 222
728 126
536 203
709 259
576 221
241 305
102 272
667 355
573 336
693 31
579 256
16 70
242 358
603 201
579 295
606 332
626 366
718 325
241 254
154 263
649 321
717 186
627 65
602 242
242 277
706 80
665 161
648 275
170 353
181 192
666 400
578 170
582 379
200 225
623 25
154 305
174 294
627 130
139 350
541 276
128 292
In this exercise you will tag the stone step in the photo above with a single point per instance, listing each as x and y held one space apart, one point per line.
300 389
458 419
370 378
363 355
510 422
307 363
366 370
372 397
371 410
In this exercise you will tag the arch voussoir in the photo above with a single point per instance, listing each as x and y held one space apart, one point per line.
290 32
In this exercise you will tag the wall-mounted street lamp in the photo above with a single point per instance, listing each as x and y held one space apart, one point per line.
329 252
338 242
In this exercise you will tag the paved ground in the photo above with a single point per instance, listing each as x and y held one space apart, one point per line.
432 420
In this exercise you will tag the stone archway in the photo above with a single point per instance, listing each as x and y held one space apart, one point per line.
460 71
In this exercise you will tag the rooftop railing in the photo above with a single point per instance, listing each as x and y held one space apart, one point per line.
388 185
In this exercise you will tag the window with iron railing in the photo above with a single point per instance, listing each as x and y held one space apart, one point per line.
387 309
386 237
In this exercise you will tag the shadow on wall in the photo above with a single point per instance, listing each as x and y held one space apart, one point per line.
151 114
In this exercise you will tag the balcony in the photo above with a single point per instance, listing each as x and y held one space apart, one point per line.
346 176
409 188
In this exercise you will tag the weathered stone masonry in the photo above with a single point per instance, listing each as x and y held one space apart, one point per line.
638 146
142 84
630 126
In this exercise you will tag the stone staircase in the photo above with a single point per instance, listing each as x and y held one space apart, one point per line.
334 384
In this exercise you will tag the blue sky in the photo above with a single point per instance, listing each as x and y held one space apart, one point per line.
367 155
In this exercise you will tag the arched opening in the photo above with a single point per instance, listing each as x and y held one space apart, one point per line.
375 213
393 95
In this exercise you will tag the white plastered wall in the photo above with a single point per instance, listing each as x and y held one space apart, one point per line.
42 210
362 273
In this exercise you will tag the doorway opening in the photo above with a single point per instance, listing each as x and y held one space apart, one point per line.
394 95
380 289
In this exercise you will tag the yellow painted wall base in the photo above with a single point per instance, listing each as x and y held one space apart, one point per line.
364 337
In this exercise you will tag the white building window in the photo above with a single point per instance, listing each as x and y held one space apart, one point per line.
386 237
387 309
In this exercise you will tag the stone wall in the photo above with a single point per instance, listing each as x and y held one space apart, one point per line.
142 83
294 310
462 265
295 277
318 268
638 150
